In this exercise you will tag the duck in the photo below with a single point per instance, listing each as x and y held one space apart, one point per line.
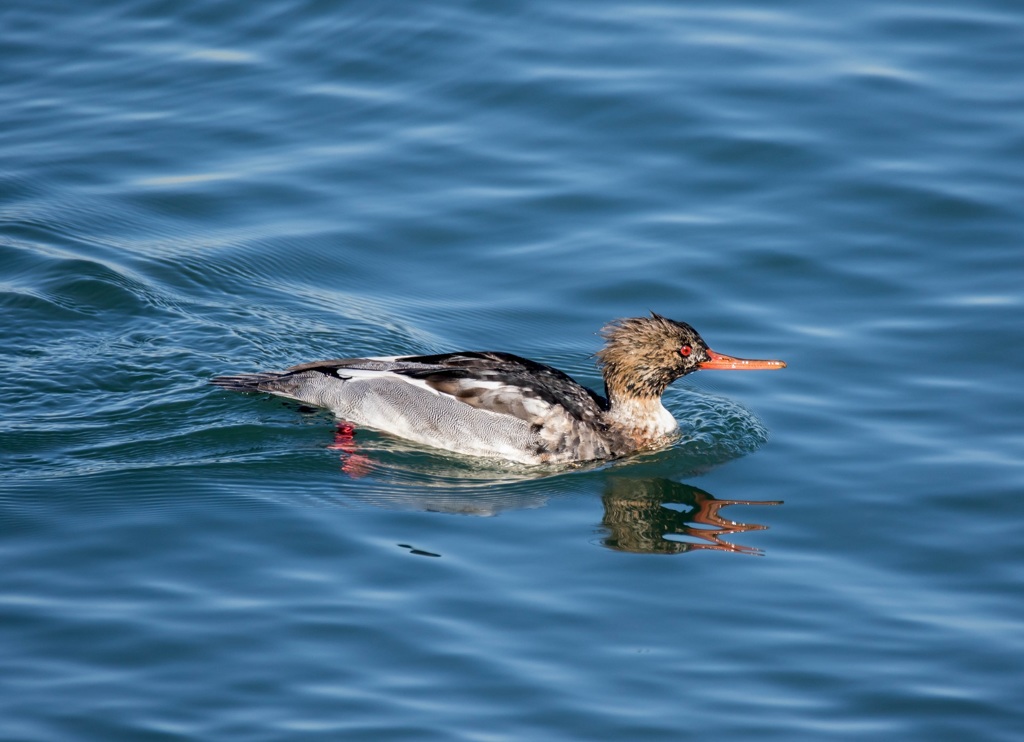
502 406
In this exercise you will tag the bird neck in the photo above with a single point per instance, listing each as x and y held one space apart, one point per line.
641 417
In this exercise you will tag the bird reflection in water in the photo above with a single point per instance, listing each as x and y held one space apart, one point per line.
639 513
638 519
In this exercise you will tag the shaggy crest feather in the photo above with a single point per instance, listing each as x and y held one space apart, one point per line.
641 355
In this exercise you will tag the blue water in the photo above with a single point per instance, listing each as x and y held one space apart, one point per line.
831 552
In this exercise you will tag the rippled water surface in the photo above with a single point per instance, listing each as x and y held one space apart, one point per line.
830 552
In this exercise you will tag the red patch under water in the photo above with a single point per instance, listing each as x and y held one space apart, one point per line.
353 463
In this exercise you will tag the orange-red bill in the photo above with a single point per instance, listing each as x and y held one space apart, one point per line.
723 362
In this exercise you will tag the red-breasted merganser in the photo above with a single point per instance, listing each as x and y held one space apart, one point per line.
503 406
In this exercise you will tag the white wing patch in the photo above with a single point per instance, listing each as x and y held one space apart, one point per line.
362 374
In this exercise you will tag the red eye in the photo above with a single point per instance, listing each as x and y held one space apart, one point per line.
685 351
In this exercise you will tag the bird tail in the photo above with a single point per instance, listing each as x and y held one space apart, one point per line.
244 382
